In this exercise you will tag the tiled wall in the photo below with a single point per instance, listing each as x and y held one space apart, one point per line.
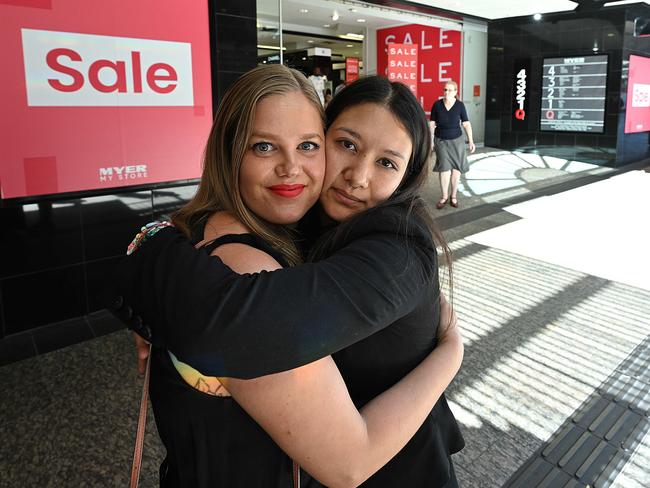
565 34
55 253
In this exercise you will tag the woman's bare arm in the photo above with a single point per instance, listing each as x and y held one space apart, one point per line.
310 415
470 137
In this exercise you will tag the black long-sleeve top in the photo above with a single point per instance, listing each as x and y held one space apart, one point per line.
226 324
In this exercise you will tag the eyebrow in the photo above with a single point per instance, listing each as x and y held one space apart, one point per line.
268 135
356 135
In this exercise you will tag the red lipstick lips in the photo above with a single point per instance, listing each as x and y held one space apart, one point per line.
287 191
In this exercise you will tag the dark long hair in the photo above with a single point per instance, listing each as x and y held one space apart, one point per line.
399 101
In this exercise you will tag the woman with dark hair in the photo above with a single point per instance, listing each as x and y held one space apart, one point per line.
373 295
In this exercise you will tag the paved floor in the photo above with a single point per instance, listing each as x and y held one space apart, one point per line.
554 388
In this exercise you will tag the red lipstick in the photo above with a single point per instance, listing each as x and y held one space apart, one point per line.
287 191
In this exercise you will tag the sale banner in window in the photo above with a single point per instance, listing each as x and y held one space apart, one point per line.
439 57
637 108
403 65
100 95
351 69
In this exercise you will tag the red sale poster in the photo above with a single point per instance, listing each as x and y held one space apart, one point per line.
351 69
102 94
403 65
637 109
439 57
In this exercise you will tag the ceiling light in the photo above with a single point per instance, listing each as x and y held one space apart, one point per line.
620 2
304 11
349 45
335 16
326 25
310 41
361 20
275 48
304 58
352 36
537 17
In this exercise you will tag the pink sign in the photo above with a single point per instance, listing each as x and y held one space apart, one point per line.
351 69
637 110
439 56
102 94
403 65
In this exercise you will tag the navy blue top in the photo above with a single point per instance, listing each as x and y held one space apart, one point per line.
448 121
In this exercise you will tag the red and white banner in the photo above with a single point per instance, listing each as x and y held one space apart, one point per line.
102 94
351 69
439 57
403 65
637 108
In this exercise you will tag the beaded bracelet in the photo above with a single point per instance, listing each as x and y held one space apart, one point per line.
146 232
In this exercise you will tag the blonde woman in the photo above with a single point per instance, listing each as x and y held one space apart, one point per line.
448 114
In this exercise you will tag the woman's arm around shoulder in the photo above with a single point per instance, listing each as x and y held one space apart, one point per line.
309 414
210 316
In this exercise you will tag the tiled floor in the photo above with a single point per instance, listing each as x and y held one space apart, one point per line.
544 342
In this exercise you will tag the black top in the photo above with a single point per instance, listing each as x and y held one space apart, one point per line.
211 441
448 121
373 278
203 310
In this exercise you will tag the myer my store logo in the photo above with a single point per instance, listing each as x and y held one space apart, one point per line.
64 69
122 173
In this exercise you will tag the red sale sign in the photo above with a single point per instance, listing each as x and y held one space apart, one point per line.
637 109
351 69
102 94
439 57
403 65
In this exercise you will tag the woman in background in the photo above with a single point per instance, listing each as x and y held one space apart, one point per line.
447 116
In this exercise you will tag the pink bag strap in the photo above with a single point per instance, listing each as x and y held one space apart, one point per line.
296 475
142 423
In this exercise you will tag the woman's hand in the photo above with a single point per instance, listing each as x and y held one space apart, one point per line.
472 147
448 330
142 348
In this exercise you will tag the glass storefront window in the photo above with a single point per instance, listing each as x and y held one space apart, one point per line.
269 32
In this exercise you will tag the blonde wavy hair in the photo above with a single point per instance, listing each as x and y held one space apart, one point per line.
225 149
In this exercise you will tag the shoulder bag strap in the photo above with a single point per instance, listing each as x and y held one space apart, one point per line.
142 422
296 475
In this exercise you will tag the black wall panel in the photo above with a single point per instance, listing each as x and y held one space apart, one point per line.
608 31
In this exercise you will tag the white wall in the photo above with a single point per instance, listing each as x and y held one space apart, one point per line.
370 52
474 72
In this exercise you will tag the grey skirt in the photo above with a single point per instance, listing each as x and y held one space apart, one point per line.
451 154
